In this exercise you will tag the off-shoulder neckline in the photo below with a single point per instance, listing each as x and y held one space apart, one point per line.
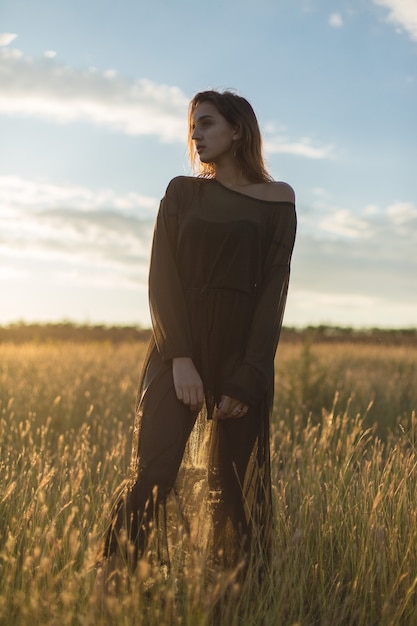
245 195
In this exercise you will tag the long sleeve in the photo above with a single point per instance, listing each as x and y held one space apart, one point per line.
166 297
252 376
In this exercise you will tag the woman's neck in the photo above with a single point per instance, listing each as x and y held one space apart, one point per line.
230 175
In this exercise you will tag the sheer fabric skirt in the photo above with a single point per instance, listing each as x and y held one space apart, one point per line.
196 485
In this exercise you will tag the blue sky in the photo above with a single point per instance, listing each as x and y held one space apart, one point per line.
93 101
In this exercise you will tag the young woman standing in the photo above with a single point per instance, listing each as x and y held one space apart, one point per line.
218 282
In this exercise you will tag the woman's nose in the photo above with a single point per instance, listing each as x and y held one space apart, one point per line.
195 134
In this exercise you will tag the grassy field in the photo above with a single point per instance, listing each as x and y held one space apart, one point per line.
344 476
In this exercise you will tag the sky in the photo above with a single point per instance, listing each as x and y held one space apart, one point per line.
93 105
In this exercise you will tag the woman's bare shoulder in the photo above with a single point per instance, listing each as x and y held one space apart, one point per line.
279 192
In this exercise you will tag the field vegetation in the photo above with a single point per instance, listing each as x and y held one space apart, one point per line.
344 466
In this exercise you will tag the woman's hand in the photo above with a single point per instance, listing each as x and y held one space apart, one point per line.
187 382
230 408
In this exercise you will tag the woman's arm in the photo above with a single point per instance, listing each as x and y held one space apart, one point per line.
253 374
166 297
167 304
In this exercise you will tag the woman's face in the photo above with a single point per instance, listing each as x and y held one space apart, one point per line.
212 134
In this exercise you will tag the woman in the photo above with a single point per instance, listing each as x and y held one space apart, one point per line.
217 288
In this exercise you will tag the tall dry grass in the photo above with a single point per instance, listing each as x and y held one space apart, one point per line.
344 475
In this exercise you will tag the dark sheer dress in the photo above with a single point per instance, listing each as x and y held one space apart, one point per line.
218 282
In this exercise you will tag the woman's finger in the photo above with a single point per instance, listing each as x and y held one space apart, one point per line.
224 407
231 408
239 411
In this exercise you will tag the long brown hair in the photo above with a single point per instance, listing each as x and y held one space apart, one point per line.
248 147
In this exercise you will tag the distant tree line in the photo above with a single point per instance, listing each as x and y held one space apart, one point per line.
68 331
340 334
82 333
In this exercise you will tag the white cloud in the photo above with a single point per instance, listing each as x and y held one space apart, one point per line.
46 89
344 223
303 147
17 193
354 280
59 230
401 213
7 38
402 13
328 220
10 274
335 20
371 210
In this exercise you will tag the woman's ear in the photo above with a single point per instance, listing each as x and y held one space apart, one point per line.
237 132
